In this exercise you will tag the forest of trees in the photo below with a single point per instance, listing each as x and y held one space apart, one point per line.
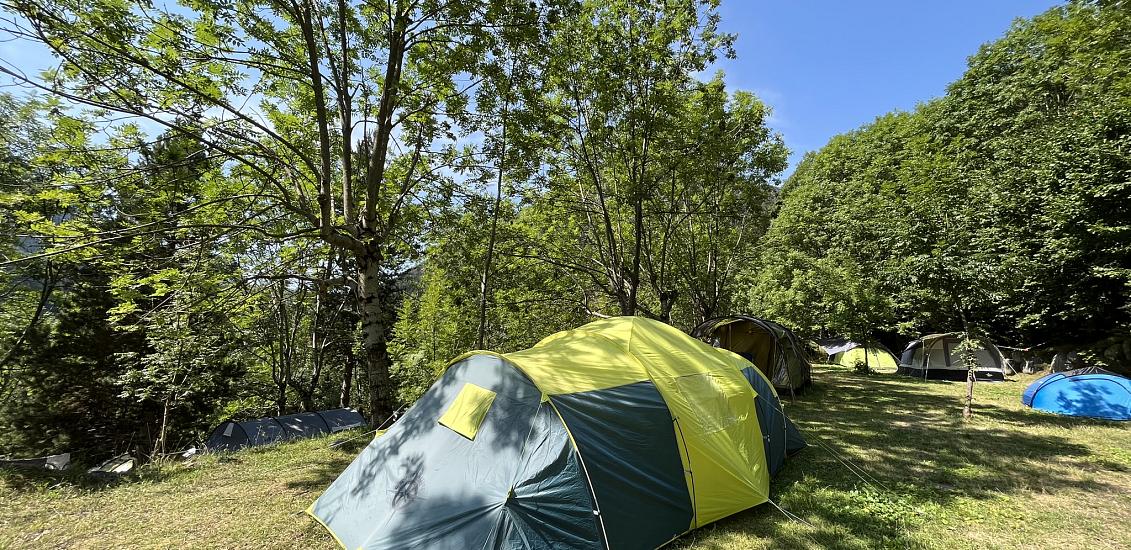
255 207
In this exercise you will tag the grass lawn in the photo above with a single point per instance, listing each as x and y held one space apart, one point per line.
890 464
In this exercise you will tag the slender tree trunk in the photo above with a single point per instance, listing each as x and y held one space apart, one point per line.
347 382
318 339
967 408
281 399
667 303
159 445
373 325
638 228
485 280
967 413
48 285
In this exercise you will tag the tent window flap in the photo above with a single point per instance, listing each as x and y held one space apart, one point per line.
468 410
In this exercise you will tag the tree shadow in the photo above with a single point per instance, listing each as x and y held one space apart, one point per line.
35 479
420 466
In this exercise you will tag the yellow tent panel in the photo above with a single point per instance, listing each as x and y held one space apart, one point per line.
466 413
878 359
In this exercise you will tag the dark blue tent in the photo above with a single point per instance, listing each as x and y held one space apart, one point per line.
232 435
1091 392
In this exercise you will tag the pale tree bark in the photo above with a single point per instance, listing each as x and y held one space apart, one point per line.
345 397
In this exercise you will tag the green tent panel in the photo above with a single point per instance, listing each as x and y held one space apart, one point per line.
624 433
848 353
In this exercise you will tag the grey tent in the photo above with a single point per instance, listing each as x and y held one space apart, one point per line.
936 357
232 435
774 349
342 419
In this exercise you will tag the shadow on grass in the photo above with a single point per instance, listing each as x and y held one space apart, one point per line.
916 456
34 479
349 443
325 471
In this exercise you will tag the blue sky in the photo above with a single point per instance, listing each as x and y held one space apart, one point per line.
827 67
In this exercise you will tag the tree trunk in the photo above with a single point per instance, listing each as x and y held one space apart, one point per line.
307 399
967 413
485 281
347 382
281 400
159 445
967 408
667 303
638 229
373 324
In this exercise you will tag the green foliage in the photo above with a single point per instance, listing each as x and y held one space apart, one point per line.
345 196
433 327
622 184
995 205
861 367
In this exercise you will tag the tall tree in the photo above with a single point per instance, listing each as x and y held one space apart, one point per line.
620 75
279 91
992 210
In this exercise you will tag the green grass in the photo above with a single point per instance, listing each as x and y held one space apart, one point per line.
891 464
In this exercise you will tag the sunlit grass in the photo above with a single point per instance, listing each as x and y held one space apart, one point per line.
891 464
1010 478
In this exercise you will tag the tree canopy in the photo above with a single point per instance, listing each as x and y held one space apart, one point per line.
214 209
1003 201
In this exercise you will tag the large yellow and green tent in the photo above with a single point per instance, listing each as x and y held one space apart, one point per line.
623 433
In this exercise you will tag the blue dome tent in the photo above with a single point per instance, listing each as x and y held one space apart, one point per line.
1091 392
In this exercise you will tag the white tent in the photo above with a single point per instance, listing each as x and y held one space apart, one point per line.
936 357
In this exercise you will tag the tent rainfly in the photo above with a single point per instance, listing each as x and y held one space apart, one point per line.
232 435
936 357
1090 392
623 433
848 353
774 349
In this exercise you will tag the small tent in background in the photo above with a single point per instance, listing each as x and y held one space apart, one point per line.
774 349
113 467
232 435
848 353
623 433
936 357
1090 392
